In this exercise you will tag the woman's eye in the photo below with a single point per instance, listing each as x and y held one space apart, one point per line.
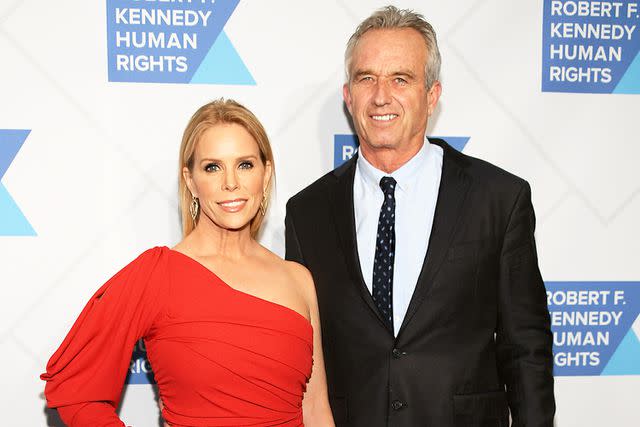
211 167
245 165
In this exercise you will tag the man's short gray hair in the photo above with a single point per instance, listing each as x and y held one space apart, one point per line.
390 17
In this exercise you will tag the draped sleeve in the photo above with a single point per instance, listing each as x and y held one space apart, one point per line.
85 375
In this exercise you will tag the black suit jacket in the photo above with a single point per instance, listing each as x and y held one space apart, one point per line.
476 338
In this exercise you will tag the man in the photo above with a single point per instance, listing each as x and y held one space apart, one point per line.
432 306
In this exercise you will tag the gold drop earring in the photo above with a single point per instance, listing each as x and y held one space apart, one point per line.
263 203
194 208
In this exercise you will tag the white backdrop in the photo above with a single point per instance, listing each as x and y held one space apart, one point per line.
97 176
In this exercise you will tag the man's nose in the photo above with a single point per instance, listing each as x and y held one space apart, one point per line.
382 95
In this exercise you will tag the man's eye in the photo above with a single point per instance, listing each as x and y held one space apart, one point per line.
245 165
211 167
366 79
401 81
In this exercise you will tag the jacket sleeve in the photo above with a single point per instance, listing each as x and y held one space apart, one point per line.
85 375
523 337
293 252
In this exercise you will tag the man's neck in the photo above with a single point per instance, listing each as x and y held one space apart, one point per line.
388 160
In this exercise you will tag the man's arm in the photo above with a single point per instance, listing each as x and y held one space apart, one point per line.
293 252
523 338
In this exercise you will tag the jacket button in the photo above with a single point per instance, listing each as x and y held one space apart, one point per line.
397 353
397 405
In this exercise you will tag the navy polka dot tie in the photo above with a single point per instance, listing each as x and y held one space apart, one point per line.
385 252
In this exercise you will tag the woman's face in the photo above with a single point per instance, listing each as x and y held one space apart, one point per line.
228 176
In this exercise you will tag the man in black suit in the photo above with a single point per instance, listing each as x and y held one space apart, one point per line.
432 305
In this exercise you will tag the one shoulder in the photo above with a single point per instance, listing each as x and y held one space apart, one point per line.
152 261
490 174
155 251
302 279
292 276
318 190
292 269
146 274
481 171
152 256
298 270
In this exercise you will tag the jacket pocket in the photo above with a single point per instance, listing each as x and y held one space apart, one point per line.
339 408
481 409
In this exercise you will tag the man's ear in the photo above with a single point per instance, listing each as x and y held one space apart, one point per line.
346 96
433 95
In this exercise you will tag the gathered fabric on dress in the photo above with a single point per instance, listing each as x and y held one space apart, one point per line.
220 357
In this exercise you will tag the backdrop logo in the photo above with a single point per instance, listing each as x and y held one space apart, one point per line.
345 146
591 46
592 327
169 42
140 369
12 221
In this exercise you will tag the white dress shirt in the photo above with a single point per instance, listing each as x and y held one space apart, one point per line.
416 194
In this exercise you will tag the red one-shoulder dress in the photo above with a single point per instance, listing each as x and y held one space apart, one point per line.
221 357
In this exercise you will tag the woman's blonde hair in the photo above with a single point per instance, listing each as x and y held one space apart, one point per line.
220 111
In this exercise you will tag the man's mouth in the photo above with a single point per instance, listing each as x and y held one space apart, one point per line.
384 118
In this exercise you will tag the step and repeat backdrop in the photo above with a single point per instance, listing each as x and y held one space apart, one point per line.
94 96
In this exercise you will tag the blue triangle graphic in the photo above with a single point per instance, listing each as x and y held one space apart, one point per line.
457 142
12 221
223 65
11 141
630 81
626 359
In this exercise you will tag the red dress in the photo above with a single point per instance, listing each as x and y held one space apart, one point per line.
221 357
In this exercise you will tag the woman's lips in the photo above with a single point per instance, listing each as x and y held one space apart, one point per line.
232 206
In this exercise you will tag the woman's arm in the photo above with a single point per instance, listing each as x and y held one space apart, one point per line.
315 404
86 374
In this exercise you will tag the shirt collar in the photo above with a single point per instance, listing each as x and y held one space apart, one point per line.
405 176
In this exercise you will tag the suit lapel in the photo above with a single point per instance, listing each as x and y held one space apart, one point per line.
454 186
344 217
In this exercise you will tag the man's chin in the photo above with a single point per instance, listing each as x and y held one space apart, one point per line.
383 144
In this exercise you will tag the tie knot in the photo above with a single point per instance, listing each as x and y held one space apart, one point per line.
388 185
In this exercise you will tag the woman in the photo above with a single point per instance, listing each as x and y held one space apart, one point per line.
231 329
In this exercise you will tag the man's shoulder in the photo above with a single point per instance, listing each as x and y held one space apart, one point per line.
481 172
319 190
489 173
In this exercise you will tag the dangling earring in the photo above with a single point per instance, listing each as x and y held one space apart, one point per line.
263 203
194 207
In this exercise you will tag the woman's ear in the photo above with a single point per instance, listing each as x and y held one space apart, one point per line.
186 174
268 174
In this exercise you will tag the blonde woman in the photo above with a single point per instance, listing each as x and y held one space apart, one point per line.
232 331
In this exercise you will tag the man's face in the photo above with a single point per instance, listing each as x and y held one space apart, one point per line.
386 93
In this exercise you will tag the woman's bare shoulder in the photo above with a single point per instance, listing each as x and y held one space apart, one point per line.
297 274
